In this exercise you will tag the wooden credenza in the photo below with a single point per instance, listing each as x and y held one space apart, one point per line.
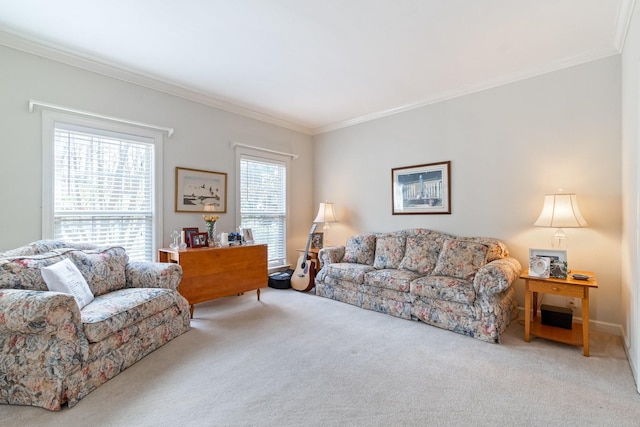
210 273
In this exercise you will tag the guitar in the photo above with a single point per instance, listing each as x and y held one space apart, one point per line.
303 278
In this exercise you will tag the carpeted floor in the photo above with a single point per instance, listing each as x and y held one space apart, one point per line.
295 359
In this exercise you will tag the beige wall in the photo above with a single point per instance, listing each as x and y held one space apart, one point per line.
508 146
202 141
630 137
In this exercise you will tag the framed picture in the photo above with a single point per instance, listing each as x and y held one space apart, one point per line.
557 261
316 240
247 235
200 191
421 189
199 240
188 231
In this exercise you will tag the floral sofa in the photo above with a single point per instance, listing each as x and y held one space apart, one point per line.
51 351
456 283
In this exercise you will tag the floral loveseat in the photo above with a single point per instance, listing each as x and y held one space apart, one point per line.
51 351
456 283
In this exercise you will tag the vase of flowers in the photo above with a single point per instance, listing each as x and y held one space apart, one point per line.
210 222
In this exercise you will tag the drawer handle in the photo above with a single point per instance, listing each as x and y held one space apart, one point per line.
555 289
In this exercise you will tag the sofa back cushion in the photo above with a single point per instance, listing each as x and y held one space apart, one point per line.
360 249
43 247
421 254
23 272
102 268
389 251
461 258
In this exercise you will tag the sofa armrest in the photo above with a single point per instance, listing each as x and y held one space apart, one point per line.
39 313
331 254
153 275
496 276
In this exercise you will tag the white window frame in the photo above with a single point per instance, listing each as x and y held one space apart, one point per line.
267 155
49 120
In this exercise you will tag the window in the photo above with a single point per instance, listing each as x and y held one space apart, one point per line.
263 202
100 184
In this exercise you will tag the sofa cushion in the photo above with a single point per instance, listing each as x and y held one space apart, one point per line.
360 249
397 280
103 268
348 271
444 288
461 259
389 251
23 272
421 254
65 277
108 314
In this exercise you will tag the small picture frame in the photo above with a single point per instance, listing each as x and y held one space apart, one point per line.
188 231
557 261
199 240
317 240
247 235
539 266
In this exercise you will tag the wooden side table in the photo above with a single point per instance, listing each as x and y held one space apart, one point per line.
569 287
313 254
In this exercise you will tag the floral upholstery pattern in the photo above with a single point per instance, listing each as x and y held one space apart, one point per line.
54 353
360 249
348 271
421 254
462 284
389 251
461 259
397 280
444 288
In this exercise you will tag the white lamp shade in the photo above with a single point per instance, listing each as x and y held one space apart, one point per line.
326 213
560 211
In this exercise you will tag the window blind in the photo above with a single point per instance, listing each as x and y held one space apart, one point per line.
103 189
263 204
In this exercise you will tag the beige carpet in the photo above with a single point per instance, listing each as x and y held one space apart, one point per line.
295 359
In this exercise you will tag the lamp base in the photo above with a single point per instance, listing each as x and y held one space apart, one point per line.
559 240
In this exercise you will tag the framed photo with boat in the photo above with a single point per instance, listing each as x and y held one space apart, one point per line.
200 191
421 189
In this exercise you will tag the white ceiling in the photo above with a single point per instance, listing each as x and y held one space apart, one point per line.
317 65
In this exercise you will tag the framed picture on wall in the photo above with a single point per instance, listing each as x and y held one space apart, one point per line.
421 189
200 191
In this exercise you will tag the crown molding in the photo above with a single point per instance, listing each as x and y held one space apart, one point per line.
623 21
473 88
75 59
89 63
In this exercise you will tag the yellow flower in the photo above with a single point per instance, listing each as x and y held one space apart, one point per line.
210 218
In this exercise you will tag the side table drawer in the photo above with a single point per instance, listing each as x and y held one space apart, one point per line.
556 288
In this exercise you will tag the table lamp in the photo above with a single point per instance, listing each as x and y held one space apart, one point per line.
560 211
326 215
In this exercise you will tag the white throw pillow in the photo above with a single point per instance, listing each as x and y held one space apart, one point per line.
65 277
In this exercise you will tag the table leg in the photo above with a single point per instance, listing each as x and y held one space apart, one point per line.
191 311
258 291
527 311
585 322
